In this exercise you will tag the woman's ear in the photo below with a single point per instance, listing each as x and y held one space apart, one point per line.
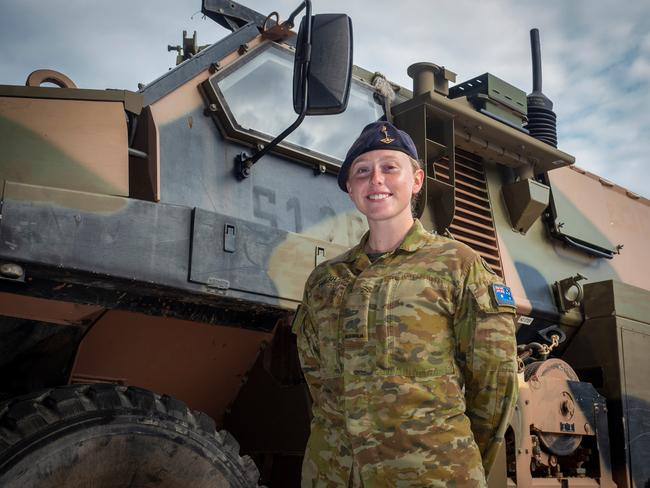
418 180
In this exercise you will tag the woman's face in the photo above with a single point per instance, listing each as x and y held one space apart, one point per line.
381 184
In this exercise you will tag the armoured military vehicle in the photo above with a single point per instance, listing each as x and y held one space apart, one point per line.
149 271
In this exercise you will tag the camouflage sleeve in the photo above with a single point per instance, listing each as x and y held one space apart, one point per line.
486 353
308 350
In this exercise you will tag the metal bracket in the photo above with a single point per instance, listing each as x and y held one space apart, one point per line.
243 166
277 32
231 15
229 238
568 292
319 255
588 249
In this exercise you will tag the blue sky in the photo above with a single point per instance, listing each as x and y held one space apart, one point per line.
595 55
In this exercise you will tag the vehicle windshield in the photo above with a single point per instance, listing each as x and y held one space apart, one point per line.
258 95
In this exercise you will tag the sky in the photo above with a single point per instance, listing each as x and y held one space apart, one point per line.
595 55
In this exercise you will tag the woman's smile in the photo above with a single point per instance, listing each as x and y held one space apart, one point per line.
378 196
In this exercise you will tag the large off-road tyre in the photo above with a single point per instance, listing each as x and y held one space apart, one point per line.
108 436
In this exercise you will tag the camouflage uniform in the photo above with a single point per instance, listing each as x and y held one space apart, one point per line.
387 348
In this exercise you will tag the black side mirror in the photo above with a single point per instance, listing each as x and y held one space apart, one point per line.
322 69
330 67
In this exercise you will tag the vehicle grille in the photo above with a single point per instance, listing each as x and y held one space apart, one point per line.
473 223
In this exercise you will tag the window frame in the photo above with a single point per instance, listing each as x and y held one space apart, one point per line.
233 131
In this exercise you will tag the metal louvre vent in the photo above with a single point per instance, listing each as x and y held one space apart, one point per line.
473 223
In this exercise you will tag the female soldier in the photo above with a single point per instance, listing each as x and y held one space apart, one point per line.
406 341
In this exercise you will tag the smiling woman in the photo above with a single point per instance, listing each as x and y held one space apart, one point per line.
382 183
387 335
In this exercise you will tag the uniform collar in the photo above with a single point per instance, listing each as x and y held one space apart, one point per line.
414 239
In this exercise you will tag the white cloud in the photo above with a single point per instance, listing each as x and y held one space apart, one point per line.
644 44
640 69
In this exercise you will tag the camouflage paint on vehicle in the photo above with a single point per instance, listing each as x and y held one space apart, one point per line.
146 231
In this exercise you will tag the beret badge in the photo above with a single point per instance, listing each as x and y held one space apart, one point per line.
386 139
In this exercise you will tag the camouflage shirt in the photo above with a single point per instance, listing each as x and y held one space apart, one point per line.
410 361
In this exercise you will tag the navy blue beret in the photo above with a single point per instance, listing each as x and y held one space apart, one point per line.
378 135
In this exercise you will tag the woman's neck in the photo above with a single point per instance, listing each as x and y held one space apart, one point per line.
386 235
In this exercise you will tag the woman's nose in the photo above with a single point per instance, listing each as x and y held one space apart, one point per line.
376 177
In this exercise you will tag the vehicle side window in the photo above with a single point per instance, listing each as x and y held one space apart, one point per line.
257 94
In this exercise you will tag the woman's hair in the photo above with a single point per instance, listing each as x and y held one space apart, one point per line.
416 164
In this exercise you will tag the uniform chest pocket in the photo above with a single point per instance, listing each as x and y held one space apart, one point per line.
414 333
326 302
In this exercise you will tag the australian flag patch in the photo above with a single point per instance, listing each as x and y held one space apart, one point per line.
503 295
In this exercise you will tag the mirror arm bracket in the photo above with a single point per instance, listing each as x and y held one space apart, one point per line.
243 161
290 20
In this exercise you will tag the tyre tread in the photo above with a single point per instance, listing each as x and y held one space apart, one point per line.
25 416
